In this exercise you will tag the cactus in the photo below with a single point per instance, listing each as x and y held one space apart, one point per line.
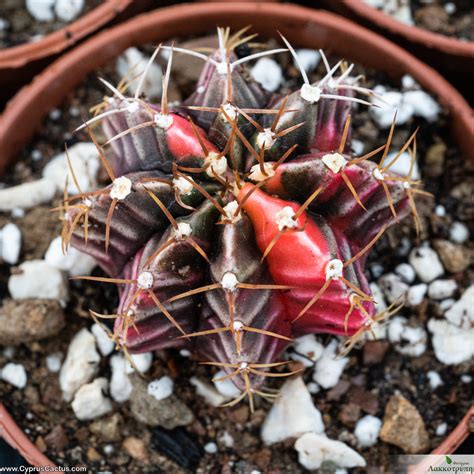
239 219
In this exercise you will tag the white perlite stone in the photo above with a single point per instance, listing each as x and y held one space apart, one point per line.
160 388
37 279
406 272
41 11
74 262
307 350
441 289
377 295
120 385
314 449
329 367
402 165
458 232
90 401
452 344
11 243
434 379
441 429
393 287
225 387
85 163
423 104
367 430
14 374
210 448
132 63
268 73
208 392
142 362
407 340
81 364
103 341
392 102
292 414
68 10
27 195
53 362
308 59
461 313
426 263
416 294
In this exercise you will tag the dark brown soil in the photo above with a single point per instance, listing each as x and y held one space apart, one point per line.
21 27
39 408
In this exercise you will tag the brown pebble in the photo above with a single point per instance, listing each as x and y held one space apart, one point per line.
455 258
434 160
374 352
93 455
108 429
135 447
56 439
262 458
364 399
349 414
40 444
338 391
403 426
239 414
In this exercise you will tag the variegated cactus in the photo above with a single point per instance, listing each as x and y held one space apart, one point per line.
239 219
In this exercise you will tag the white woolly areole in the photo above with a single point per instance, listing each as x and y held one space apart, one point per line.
406 185
184 230
256 172
183 186
378 175
230 110
132 107
87 202
145 280
221 68
310 93
121 188
243 365
217 163
266 139
334 161
229 281
238 325
230 209
163 121
285 218
334 269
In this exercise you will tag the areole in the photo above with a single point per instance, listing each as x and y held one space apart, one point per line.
304 27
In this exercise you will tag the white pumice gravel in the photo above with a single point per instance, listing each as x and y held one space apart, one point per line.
458 232
466 378
85 163
308 59
367 430
10 243
268 73
393 287
461 312
81 364
68 10
423 104
314 449
225 387
434 379
53 362
378 296
440 210
416 293
292 414
210 448
329 367
384 114
358 147
90 401
307 350
402 166
14 374
441 429
442 289
103 341
72 261
408 340
406 272
426 263
37 279
142 362
446 304
41 11
207 391
161 388
27 195
132 63
120 384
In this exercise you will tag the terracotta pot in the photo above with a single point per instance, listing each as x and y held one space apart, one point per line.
304 27
20 63
444 52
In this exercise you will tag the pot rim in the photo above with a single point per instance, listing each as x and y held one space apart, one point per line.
55 42
414 33
304 26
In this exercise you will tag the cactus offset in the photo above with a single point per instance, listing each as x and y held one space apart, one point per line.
239 219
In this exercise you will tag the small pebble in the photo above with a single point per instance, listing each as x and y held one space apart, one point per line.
208 392
402 165
406 272
441 429
450 8
367 431
17 213
210 448
408 340
329 367
11 243
434 379
426 263
393 287
268 73
55 114
120 384
161 388
14 374
68 10
423 104
441 289
440 211
53 362
466 378
461 312
308 59
458 232
307 350
416 293
41 11
90 402
225 387
141 361
103 341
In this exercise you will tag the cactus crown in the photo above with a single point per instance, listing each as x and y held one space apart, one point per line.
240 218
